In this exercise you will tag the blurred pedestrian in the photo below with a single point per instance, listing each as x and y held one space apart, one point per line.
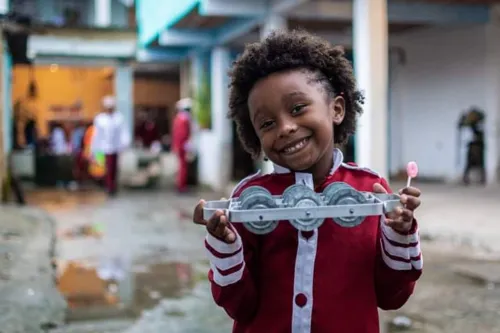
146 133
110 137
181 134
473 122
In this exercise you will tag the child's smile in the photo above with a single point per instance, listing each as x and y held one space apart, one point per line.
293 116
295 146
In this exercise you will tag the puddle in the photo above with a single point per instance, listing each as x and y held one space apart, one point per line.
158 281
82 287
86 230
53 200
113 290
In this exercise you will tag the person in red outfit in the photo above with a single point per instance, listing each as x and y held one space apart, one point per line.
181 133
293 97
146 131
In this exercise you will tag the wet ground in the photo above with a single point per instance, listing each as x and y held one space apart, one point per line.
122 257
135 263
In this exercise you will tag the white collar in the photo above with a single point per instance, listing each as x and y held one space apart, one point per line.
338 158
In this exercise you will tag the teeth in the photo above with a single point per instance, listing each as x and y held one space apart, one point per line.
296 147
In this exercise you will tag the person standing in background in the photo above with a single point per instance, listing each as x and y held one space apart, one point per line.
473 122
146 132
181 133
31 133
110 137
58 140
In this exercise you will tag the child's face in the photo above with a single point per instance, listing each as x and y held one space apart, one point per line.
293 118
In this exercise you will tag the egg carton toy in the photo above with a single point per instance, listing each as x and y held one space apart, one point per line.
306 210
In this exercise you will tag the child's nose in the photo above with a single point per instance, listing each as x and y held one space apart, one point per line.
287 127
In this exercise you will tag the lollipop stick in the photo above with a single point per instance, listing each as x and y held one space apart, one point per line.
412 171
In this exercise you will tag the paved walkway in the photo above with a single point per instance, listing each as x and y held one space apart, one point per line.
469 216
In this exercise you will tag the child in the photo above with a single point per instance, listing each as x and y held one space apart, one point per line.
293 97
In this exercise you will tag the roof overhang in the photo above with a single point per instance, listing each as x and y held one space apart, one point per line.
201 24
90 44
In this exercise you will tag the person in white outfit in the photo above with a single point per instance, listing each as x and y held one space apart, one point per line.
110 138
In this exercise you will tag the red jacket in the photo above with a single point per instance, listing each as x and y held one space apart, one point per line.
330 280
181 131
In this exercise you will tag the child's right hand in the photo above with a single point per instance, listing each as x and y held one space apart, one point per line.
217 225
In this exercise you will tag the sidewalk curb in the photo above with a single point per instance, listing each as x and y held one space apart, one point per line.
29 299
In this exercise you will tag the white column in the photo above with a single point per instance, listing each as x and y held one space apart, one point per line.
492 107
198 137
273 22
221 126
185 79
196 70
370 40
124 90
4 6
6 93
3 121
102 12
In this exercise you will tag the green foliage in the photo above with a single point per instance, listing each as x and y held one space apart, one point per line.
202 103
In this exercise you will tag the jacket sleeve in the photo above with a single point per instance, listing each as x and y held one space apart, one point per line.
398 265
230 275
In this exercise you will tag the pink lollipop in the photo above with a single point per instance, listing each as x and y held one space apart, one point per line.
412 171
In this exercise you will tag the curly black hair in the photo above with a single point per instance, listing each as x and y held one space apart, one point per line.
282 51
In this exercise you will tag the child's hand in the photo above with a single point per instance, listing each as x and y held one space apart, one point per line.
401 219
217 225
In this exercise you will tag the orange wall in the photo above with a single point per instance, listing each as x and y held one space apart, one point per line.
61 86
66 85
155 92
151 92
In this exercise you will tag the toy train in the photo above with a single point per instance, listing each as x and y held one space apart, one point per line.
306 210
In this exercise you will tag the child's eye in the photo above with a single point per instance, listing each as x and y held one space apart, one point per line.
298 108
266 124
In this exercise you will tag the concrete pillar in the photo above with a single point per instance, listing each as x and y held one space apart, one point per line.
6 105
196 68
395 114
273 22
6 96
124 90
4 123
102 13
492 107
185 79
4 6
370 41
220 62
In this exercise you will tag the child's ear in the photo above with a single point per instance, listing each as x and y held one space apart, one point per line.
337 110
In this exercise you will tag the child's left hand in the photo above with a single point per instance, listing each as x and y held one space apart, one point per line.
401 219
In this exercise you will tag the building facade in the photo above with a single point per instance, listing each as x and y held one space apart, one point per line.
420 64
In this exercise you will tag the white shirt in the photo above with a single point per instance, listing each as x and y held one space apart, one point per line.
110 135
58 141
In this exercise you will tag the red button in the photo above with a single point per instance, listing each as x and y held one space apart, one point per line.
301 300
307 234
